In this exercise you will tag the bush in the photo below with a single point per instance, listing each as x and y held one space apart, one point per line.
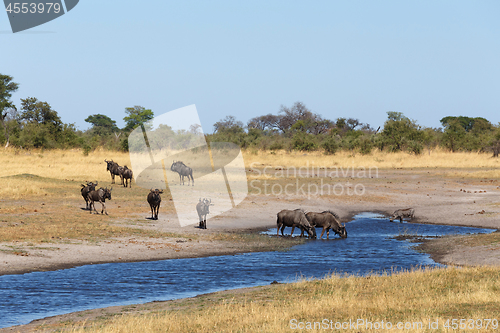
304 141
330 145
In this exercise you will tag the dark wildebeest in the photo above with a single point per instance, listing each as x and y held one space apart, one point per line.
126 174
294 218
400 213
154 201
183 171
326 220
114 169
100 195
85 192
203 208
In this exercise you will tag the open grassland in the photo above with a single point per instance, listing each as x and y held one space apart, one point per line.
413 298
73 165
437 158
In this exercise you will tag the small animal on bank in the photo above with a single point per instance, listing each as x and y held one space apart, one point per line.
402 213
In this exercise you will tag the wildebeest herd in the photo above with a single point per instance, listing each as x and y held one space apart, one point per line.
309 222
328 220
91 195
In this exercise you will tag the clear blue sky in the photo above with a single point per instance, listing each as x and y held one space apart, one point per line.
359 59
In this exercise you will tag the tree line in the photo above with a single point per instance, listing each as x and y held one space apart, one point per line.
298 128
37 125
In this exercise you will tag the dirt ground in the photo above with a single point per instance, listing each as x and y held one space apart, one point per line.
436 198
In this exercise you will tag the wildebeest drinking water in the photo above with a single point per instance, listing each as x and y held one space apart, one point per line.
327 220
401 213
114 169
154 200
203 209
183 171
100 195
294 218
85 192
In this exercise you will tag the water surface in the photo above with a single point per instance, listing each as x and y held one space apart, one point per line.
368 248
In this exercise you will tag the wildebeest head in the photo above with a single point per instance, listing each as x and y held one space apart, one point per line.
106 193
203 206
154 195
342 232
109 165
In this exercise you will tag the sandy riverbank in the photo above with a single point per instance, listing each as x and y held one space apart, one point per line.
436 199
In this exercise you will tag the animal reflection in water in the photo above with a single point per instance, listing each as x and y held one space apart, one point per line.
203 209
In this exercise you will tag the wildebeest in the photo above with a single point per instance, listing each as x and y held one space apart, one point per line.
294 218
100 195
183 171
85 191
114 169
401 213
126 174
154 200
203 208
327 220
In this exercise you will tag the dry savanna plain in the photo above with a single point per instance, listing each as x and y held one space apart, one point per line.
44 226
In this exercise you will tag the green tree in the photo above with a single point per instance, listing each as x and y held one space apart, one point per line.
136 116
7 87
102 125
35 111
401 133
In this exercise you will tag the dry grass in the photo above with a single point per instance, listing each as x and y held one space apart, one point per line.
420 296
429 159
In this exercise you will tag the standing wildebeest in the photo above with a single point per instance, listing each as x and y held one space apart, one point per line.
294 218
183 171
125 175
154 201
400 213
85 192
114 169
203 208
100 195
326 220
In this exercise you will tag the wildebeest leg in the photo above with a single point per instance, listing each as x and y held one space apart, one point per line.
400 219
282 230
103 208
293 228
327 233
322 232
92 203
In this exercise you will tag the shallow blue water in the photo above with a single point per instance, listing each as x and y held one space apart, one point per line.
368 248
